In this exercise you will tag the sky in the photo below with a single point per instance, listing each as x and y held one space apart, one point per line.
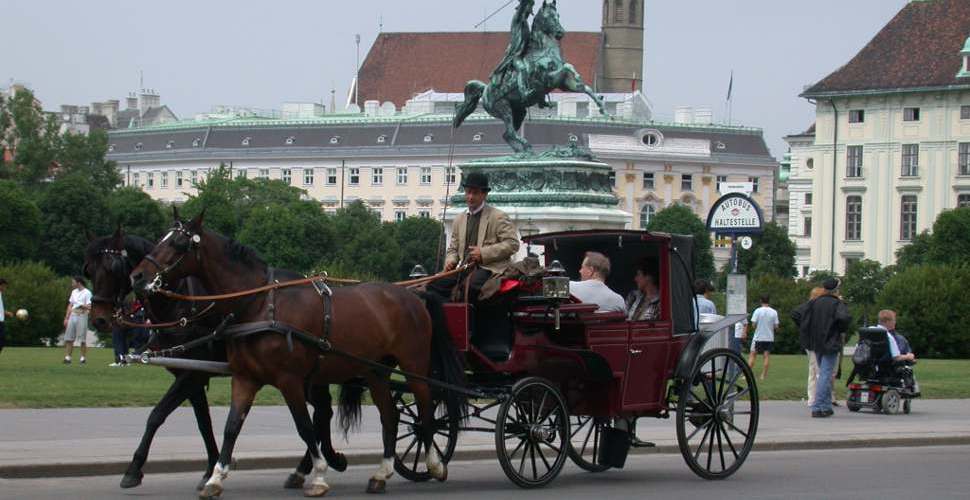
201 53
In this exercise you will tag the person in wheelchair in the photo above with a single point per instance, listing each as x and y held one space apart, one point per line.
900 355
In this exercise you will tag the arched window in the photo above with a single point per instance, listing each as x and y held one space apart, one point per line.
618 11
633 11
646 213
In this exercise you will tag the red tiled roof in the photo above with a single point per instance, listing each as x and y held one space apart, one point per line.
920 47
400 65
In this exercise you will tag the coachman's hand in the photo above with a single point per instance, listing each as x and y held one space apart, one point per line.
450 265
475 254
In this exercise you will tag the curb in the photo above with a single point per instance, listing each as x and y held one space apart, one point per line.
286 462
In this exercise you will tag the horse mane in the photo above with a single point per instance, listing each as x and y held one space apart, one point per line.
241 254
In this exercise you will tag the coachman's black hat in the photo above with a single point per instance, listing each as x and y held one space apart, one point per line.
475 180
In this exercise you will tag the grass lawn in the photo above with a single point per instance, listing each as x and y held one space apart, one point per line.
35 378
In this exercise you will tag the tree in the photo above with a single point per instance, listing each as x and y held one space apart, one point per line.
863 282
34 137
20 223
418 239
915 253
679 219
773 253
85 155
364 246
137 213
291 237
72 208
35 287
950 243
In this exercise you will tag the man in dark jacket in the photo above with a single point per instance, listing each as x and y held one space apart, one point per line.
822 323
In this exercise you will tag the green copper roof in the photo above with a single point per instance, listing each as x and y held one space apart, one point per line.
966 46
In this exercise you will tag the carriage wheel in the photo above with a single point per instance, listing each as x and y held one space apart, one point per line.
717 414
585 439
532 433
410 455
891 402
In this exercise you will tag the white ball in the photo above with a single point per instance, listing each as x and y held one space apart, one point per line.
22 314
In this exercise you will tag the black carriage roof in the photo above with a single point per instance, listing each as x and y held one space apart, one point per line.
598 236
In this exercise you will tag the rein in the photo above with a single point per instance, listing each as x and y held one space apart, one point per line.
181 322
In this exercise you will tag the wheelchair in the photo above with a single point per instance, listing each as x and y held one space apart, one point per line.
884 385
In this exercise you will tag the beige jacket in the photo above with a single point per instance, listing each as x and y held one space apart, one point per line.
497 237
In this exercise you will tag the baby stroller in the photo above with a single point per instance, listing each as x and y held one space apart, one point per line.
884 385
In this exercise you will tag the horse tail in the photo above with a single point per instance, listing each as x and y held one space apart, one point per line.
446 365
351 394
473 93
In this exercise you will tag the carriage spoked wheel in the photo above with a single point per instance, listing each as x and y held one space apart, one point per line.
532 433
585 439
717 414
410 457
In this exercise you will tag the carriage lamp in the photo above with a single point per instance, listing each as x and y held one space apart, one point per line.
418 271
555 287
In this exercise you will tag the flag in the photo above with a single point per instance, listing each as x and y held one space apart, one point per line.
730 86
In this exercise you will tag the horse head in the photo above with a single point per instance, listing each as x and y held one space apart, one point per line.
174 257
547 21
107 264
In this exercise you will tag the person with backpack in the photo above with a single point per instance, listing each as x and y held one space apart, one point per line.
822 323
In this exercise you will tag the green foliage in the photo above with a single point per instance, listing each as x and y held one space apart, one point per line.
916 252
785 295
291 237
773 253
930 309
85 155
72 209
19 223
862 284
34 136
364 245
679 219
137 213
39 290
950 243
419 239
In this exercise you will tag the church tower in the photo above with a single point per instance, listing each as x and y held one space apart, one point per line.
623 46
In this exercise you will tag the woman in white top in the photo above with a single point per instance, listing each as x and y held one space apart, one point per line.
76 320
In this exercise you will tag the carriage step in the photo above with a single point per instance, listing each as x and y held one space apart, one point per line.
637 443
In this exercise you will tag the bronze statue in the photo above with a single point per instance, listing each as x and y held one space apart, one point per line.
532 67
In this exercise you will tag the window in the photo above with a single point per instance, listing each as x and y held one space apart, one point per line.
646 213
135 181
857 116
195 177
908 208
808 199
686 182
853 218
633 11
807 227
910 114
335 139
963 201
650 139
242 173
164 180
648 180
246 141
613 178
139 146
964 158
178 178
150 180
287 176
910 160
290 140
425 175
169 144
450 175
332 176
478 137
355 177
853 164
263 173
381 139
721 179
377 176
307 176
805 271
754 184
400 215
196 142
965 112
810 163
429 138
617 11
402 176
850 261
424 214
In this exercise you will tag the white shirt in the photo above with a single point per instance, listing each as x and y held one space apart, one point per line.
475 211
596 292
79 298
893 346
739 329
3 313
765 319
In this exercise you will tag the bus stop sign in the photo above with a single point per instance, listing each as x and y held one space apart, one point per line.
735 214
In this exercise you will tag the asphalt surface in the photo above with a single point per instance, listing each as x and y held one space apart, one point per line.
886 473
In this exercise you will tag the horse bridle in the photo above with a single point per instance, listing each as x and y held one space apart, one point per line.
126 269
161 271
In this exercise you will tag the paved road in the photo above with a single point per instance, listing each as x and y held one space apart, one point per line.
927 472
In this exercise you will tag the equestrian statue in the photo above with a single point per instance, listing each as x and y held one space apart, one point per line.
532 67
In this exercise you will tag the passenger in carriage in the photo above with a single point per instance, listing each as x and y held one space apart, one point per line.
643 304
592 289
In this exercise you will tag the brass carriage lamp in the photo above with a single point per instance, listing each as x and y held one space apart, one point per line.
418 271
555 287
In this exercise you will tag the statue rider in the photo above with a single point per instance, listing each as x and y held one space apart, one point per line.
513 62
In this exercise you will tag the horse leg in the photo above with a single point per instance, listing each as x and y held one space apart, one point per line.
200 404
292 390
243 393
176 394
380 392
574 83
322 415
426 410
511 134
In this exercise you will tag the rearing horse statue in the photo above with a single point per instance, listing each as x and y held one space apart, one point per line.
533 67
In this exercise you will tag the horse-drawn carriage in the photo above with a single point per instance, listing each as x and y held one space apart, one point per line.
576 380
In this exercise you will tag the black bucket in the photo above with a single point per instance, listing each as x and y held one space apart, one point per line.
614 447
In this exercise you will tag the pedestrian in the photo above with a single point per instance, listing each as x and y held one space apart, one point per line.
813 363
124 338
822 323
4 314
76 320
765 321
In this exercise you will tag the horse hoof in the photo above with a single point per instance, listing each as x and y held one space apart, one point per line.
377 486
201 485
316 490
210 492
132 480
442 475
295 481
339 462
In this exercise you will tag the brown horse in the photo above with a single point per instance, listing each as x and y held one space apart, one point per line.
380 323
